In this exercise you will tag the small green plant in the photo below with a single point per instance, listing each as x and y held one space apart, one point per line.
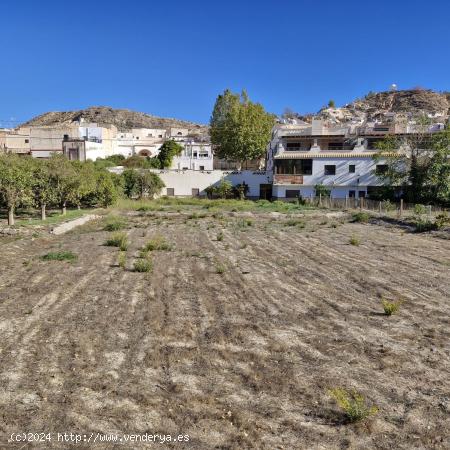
220 268
387 205
353 404
294 223
114 223
442 221
424 225
118 240
391 307
419 209
157 243
143 265
354 240
361 217
219 236
122 259
59 256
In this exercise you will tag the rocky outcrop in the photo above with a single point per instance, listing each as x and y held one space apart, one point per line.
123 119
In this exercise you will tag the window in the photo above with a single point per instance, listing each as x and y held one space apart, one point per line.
150 135
352 194
160 136
351 168
335 146
27 141
202 167
294 166
330 170
194 155
179 133
137 137
381 169
291 193
170 192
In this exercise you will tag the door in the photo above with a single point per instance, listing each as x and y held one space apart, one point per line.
170 192
265 191
195 192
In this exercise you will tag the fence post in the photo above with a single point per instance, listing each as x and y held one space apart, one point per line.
346 202
360 202
320 199
379 207
429 211
401 208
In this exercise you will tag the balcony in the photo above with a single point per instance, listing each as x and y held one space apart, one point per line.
287 179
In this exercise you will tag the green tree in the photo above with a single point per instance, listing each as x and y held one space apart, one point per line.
240 129
141 183
331 104
105 190
224 189
322 190
43 188
65 179
167 152
15 182
418 163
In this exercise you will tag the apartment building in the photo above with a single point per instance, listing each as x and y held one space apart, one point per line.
303 155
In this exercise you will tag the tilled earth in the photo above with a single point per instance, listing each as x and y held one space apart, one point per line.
238 359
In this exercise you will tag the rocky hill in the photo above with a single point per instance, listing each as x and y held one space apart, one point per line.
123 119
375 106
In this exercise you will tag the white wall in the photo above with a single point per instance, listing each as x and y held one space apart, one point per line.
184 181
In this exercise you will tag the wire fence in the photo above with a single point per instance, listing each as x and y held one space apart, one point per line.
383 207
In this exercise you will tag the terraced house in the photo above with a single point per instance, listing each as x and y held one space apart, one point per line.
303 155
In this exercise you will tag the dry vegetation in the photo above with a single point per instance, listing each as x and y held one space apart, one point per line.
237 335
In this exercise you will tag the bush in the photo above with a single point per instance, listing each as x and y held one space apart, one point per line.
122 259
391 307
353 404
118 240
114 223
424 225
220 268
361 217
143 265
419 209
219 236
442 221
387 205
59 256
157 243
354 240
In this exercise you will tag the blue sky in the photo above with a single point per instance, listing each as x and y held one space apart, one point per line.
173 58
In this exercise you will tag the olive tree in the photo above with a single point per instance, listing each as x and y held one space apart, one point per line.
15 182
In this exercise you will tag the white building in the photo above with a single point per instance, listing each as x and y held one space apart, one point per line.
302 156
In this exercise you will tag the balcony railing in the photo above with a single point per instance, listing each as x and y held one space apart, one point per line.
287 179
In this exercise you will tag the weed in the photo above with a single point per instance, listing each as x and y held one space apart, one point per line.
354 240
118 240
442 221
323 222
220 268
114 223
243 245
219 236
391 307
353 404
294 223
157 243
59 256
361 217
122 259
143 265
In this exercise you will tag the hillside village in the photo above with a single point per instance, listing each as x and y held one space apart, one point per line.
335 147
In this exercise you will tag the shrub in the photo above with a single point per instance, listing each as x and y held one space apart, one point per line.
143 265
387 205
122 259
423 225
419 209
294 222
114 223
391 307
220 268
353 404
59 256
442 221
118 240
361 217
354 240
157 243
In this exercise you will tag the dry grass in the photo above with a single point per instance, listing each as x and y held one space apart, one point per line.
238 360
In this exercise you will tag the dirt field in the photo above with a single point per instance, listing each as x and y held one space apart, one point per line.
238 359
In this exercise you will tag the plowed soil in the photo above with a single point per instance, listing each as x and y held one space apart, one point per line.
235 341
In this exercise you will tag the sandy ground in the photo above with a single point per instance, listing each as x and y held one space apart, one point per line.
239 359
